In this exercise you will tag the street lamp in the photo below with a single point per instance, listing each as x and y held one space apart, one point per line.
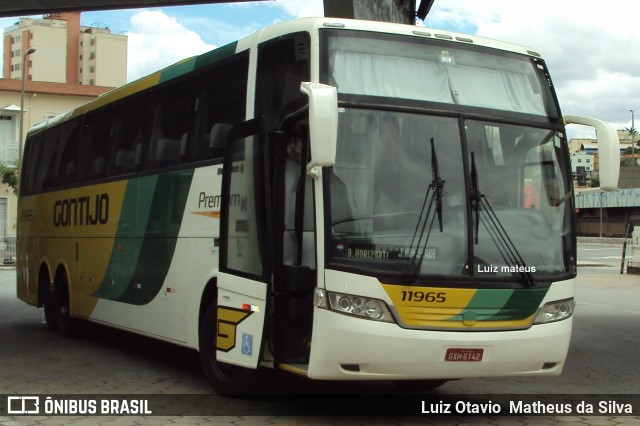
633 145
20 141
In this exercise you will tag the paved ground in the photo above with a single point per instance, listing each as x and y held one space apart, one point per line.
602 359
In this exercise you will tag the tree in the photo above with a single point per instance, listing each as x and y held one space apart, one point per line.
595 180
10 176
634 134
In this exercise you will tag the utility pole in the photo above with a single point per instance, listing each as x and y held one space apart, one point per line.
633 143
22 90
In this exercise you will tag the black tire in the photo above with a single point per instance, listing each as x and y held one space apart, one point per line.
68 326
224 378
51 311
419 385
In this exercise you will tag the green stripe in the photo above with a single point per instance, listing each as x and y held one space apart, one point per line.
177 70
521 304
158 247
129 237
216 55
501 305
152 212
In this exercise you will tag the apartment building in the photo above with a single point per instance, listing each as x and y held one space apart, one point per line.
67 52
72 65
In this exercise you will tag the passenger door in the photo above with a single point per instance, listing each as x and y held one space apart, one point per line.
245 260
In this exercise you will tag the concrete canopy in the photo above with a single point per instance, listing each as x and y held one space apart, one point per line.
38 7
382 10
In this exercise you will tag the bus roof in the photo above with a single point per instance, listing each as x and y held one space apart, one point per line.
297 25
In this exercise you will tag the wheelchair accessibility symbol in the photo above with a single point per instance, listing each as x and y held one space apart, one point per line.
247 344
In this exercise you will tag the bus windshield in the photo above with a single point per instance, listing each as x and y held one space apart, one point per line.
434 176
388 215
419 69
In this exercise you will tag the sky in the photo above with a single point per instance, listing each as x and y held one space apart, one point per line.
592 48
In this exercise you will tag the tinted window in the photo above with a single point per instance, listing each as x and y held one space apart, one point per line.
173 110
221 104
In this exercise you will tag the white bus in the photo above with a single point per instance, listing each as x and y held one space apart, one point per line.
339 199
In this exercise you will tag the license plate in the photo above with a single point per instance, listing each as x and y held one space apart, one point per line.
464 355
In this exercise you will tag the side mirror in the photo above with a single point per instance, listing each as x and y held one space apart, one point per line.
323 123
608 151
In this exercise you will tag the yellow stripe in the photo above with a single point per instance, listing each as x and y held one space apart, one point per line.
212 214
84 248
119 93
293 369
442 308
455 300
484 325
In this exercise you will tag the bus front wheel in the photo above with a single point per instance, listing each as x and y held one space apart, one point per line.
224 378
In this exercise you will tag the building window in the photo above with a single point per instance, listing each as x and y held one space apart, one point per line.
579 160
92 69
92 55
93 42
91 82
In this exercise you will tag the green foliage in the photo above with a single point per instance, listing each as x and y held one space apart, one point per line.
595 180
10 176
625 162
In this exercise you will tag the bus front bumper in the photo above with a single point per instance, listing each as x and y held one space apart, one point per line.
350 348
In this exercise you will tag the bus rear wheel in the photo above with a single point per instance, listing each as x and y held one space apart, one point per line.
51 312
67 325
225 379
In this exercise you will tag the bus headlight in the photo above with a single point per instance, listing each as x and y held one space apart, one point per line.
555 311
359 306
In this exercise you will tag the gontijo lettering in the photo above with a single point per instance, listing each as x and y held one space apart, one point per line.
81 211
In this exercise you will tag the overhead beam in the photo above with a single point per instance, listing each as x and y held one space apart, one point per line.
399 11
38 7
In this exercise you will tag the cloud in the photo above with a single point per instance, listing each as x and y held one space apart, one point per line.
301 8
590 48
157 40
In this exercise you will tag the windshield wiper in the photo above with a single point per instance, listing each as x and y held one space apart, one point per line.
494 227
432 198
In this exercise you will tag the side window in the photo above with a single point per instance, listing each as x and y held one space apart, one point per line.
221 104
132 120
45 172
98 131
33 149
172 111
69 147
282 65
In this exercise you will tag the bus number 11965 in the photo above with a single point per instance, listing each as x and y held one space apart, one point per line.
420 296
